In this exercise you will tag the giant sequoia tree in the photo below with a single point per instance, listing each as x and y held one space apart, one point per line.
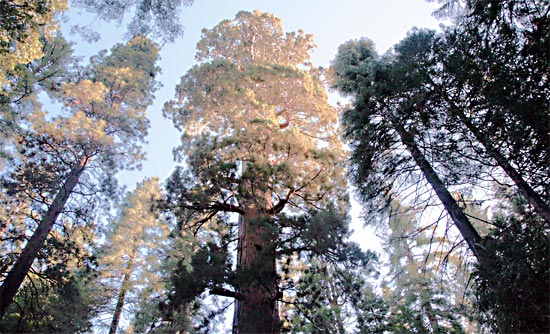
261 142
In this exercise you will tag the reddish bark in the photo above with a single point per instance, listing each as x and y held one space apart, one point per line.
122 293
256 312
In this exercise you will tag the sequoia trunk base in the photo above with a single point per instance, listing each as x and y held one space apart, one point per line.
257 311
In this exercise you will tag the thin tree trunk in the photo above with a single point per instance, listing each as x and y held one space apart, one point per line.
462 222
432 318
531 195
256 312
122 293
333 301
19 271
3 227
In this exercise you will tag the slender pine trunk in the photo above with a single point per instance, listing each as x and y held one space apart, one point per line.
20 269
526 190
334 305
432 318
122 293
461 221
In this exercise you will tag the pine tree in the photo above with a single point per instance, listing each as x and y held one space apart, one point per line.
131 259
77 153
389 154
464 119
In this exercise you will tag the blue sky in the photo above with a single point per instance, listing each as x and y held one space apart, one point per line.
332 23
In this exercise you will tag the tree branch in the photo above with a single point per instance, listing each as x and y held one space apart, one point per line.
219 291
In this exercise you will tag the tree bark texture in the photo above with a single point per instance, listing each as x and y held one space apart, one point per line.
20 269
256 312
461 221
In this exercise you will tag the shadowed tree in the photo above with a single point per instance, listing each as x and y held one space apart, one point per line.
387 150
466 108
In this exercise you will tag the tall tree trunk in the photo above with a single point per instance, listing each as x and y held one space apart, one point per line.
334 305
462 222
24 262
122 293
526 190
256 312
533 197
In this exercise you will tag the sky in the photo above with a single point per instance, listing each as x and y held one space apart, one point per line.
332 23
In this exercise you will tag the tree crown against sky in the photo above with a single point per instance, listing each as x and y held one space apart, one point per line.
267 113
65 159
455 109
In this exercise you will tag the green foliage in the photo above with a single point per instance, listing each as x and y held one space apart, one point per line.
55 294
133 256
350 68
426 287
157 19
260 141
47 304
512 285
468 111
333 297
471 99
208 268
18 98
507 76
64 159
24 26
